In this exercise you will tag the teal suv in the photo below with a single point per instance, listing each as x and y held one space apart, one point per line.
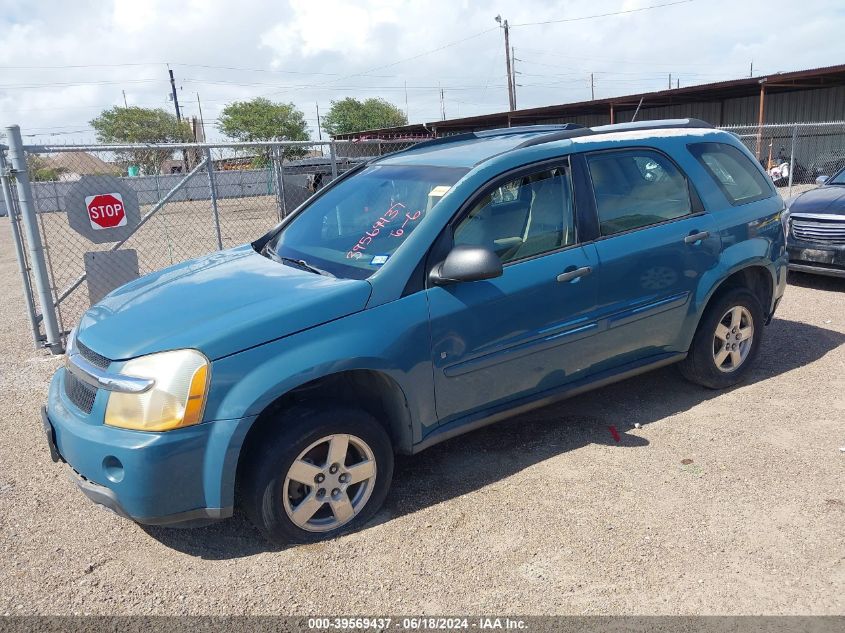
419 296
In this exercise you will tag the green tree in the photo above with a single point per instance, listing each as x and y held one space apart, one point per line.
141 125
263 120
41 170
351 115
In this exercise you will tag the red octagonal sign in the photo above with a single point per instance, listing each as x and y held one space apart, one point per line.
105 210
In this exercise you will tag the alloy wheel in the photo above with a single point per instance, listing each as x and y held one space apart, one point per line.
329 483
733 339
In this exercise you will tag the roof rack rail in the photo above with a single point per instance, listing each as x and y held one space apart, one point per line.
504 131
664 124
657 124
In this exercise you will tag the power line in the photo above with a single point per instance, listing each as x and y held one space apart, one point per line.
423 54
604 15
63 84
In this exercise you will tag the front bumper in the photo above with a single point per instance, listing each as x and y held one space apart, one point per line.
168 478
817 258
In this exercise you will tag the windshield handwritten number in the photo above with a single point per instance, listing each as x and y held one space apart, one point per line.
357 251
408 218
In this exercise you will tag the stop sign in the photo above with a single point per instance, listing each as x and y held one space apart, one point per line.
106 211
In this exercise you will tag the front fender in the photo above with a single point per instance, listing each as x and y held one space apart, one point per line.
392 338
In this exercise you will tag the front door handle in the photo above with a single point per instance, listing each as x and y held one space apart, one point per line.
572 275
692 238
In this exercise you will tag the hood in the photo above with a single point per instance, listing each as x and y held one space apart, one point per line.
827 199
220 304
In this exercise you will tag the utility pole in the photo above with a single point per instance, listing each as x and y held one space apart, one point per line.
592 87
406 102
442 106
751 70
202 121
125 105
670 81
174 96
178 113
319 131
504 25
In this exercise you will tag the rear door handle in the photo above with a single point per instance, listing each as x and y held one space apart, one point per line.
572 275
692 238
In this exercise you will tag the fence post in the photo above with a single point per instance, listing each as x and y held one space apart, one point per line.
279 171
19 252
333 153
33 240
792 160
212 185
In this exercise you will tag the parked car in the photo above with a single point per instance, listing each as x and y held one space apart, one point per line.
816 239
417 297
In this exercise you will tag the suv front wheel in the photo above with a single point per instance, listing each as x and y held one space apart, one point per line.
727 340
319 472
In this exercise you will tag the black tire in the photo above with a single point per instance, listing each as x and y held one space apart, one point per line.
269 459
700 365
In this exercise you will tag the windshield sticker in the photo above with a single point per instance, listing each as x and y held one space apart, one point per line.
379 260
439 191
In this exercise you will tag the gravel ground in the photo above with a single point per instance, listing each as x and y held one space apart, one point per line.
729 503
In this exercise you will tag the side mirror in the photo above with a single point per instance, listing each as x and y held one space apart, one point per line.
467 263
821 180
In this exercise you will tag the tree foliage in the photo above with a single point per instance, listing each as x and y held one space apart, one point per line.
263 120
41 170
141 125
351 115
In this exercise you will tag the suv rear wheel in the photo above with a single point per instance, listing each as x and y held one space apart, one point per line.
325 472
727 340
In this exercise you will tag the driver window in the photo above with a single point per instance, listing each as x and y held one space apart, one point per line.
528 216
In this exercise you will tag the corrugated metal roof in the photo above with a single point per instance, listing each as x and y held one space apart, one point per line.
702 99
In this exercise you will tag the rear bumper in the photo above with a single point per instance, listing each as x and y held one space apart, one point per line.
169 478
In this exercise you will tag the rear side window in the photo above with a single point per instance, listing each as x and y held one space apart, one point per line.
636 188
737 176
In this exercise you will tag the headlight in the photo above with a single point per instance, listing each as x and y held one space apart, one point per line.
175 400
71 339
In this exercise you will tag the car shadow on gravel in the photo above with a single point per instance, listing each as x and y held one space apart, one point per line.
816 282
474 460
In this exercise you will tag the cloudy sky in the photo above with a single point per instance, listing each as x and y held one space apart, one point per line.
66 60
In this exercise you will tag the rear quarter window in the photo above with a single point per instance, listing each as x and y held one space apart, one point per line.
734 173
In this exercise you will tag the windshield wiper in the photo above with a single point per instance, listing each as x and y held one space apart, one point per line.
302 264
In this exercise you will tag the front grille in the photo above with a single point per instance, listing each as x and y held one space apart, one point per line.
829 230
98 360
79 393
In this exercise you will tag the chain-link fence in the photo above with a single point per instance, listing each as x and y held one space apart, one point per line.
105 215
94 217
795 154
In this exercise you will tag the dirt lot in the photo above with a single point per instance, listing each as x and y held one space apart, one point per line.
545 513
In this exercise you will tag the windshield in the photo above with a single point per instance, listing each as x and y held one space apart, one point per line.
354 227
838 179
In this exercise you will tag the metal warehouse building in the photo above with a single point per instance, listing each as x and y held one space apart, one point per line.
803 96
